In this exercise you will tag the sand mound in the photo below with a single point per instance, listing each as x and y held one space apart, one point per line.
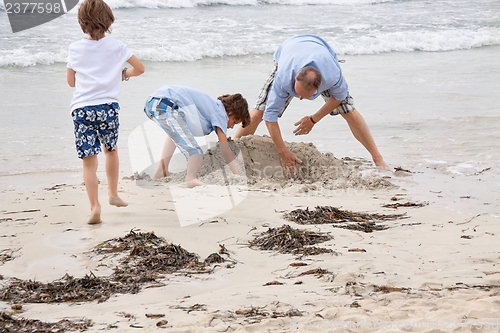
259 166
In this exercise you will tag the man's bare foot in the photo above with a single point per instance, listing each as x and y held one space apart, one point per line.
117 201
382 165
95 216
194 182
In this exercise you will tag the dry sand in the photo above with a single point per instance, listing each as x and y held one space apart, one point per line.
434 271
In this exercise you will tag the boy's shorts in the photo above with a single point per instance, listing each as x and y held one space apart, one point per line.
167 115
346 106
96 125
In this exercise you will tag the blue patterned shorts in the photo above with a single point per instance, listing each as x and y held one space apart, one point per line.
96 125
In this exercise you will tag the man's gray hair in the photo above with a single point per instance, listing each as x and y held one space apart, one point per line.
309 82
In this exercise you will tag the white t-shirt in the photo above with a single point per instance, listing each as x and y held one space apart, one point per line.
98 65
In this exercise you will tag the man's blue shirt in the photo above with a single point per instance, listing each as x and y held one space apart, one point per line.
294 54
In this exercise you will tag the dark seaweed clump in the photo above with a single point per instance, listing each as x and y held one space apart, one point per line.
289 240
345 219
8 324
143 257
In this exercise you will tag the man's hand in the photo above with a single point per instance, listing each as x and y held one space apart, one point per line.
304 126
287 158
289 163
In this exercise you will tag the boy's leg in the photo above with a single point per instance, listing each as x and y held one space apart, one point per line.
112 171
166 156
172 120
107 116
90 164
193 166
88 147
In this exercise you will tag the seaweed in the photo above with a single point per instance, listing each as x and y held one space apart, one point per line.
312 251
287 239
66 289
143 257
406 204
345 219
9 324
6 255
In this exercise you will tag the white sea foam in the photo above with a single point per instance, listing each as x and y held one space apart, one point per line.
189 30
212 47
409 41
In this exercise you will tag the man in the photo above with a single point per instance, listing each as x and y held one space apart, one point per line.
306 67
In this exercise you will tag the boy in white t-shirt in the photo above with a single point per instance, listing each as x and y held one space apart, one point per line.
95 68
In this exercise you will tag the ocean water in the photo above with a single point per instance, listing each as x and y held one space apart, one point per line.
424 74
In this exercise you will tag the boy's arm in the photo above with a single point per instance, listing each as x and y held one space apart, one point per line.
70 76
137 67
226 151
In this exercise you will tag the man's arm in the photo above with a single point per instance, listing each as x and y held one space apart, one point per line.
287 158
226 151
305 125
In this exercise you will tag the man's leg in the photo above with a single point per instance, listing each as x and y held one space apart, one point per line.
361 132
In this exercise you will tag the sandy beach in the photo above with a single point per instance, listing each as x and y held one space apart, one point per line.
341 247
430 270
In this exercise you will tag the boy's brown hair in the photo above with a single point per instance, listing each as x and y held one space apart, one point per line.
237 106
95 18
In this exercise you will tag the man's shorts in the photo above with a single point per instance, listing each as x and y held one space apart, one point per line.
96 125
167 115
346 106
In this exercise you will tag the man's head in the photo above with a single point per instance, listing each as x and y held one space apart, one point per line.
307 81
237 109
95 18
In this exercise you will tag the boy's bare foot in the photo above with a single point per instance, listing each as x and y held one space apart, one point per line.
161 174
117 201
194 182
95 216
162 171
